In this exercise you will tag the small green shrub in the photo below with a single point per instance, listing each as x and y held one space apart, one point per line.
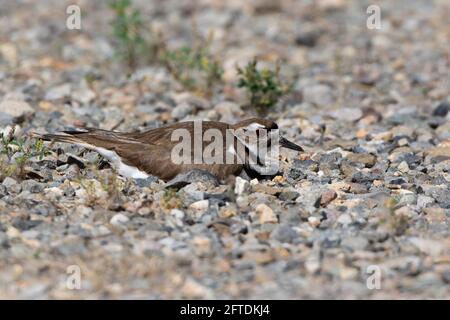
15 153
128 32
195 68
264 87
171 200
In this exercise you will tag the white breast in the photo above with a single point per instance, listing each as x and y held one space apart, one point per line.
123 169
117 163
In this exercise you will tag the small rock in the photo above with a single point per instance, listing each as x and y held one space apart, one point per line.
3 191
288 195
309 198
58 92
314 221
428 246
319 94
266 214
284 233
32 186
365 158
407 198
442 109
147 182
397 181
192 193
439 152
228 111
347 114
423 201
327 197
307 39
355 243
306 165
403 142
9 53
296 174
443 131
11 185
15 108
84 96
194 290
6 119
192 99
192 176
69 191
182 110
241 186
345 219
403 167
44 210
262 188
178 214
24 224
435 215
201 205
119 219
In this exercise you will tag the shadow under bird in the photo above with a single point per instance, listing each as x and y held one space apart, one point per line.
140 154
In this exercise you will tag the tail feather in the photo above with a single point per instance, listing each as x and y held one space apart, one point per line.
56 137
89 138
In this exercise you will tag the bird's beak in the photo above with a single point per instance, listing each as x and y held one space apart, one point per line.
289 145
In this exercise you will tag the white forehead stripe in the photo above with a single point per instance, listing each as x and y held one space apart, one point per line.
254 126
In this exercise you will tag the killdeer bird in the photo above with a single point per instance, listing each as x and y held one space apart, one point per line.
167 151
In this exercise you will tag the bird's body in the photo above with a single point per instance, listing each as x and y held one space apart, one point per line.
140 154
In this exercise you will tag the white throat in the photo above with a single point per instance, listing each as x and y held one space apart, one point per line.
262 158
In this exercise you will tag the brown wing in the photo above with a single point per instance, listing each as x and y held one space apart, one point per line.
162 136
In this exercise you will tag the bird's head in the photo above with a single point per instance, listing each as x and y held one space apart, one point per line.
263 129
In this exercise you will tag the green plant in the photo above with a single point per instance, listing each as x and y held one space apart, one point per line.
113 186
104 189
194 67
127 29
171 200
264 87
16 153
90 187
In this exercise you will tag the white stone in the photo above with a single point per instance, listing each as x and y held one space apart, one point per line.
84 95
347 114
201 205
58 92
15 108
241 186
318 94
403 167
119 219
344 219
178 214
314 221
423 201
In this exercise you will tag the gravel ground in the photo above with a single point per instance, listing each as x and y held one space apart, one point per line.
369 195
